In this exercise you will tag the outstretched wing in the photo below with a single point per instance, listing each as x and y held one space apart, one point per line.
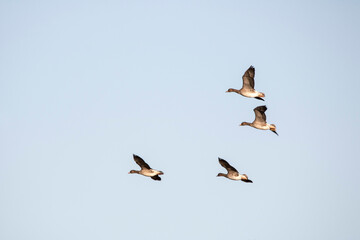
227 166
156 177
248 78
260 116
141 162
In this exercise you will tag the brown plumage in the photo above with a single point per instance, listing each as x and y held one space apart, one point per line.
260 120
248 88
146 170
232 173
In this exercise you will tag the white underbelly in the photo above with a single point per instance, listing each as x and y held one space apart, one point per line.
150 173
263 127
250 94
232 177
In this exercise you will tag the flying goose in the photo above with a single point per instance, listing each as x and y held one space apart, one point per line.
248 86
232 173
260 120
146 170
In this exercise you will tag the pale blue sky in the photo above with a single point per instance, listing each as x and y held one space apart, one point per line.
85 84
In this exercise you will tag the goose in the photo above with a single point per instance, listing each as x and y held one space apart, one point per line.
146 170
232 173
260 120
247 89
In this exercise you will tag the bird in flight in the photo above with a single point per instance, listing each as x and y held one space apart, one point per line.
146 170
247 89
232 173
260 120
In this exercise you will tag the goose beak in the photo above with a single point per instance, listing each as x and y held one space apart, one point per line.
275 133
161 173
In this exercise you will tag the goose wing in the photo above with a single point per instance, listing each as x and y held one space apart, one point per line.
156 177
227 166
139 161
260 116
248 78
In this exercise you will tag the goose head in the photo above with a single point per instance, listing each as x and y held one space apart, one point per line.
231 90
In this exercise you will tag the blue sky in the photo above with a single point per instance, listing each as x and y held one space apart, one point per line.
85 84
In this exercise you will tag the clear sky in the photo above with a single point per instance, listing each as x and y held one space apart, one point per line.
85 84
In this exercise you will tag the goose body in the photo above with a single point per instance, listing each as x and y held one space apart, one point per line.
260 120
247 89
146 170
232 173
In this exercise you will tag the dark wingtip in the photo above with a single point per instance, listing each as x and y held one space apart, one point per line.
259 98
261 108
156 178
248 181
275 133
